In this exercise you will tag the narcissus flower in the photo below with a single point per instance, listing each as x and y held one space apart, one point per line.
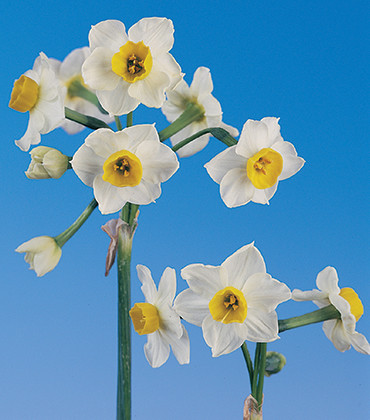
69 75
251 170
341 332
199 93
42 254
39 92
128 69
47 162
233 302
124 166
157 319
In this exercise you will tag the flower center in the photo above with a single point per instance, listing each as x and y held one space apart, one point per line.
133 61
354 301
123 169
75 85
228 305
24 94
264 168
145 318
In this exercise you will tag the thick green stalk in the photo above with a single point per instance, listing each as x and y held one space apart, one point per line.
261 373
76 88
323 314
193 112
90 122
68 233
217 132
118 122
248 361
129 119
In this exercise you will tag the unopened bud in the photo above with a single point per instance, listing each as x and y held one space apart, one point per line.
46 162
274 362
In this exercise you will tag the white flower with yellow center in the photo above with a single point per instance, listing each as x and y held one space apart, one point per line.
68 72
42 254
38 92
341 332
199 93
156 318
128 69
233 302
251 170
124 166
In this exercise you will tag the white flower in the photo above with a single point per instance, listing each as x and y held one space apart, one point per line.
38 91
251 170
341 332
158 320
199 93
124 166
126 70
69 75
46 162
42 254
233 302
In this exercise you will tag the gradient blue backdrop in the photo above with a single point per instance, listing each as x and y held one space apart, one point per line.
302 61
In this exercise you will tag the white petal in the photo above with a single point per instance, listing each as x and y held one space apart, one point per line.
118 101
167 287
222 338
144 193
236 189
212 109
170 323
191 148
262 326
202 84
159 162
234 132
192 307
156 33
148 286
53 112
72 64
336 333
225 161
156 350
314 295
150 91
265 293
110 198
87 165
47 260
291 162
104 142
253 138
97 70
263 196
32 134
327 280
181 347
243 263
167 64
205 280
110 34
359 343
273 128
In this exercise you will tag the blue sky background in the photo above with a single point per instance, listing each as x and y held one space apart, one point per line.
304 62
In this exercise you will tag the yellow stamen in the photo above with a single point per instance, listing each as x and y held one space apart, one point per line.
133 61
264 168
354 301
228 305
145 318
24 94
123 169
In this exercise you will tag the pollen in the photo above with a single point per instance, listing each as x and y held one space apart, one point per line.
123 169
24 95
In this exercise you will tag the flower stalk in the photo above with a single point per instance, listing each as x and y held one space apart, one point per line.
90 122
76 88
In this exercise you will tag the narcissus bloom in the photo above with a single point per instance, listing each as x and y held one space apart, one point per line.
42 254
69 75
39 92
341 332
233 302
47 162
128 69
251 170
199 93
124 166
157 319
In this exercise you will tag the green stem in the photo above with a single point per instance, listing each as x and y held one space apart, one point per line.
118 122
76 88
217 132
129 119
261 373
255 371
323 314
193 112
68 233
248 361
90 122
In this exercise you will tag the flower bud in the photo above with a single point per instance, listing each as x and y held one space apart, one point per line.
42 254
274 362
46 163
